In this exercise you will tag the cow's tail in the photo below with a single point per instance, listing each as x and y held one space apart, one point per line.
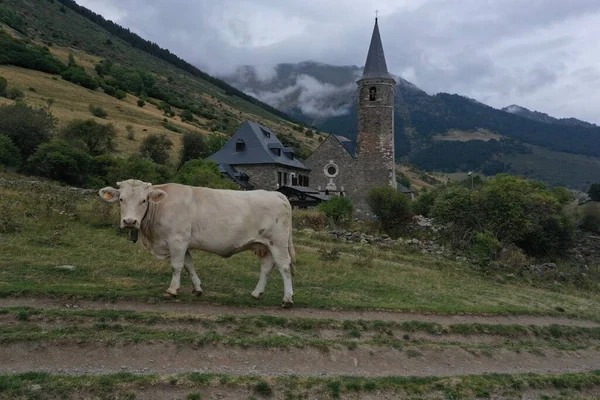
292 252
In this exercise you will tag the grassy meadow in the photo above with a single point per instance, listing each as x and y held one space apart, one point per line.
46 226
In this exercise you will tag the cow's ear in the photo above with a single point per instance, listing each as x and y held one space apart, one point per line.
109 194
157 195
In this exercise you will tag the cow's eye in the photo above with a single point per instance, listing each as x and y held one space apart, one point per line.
121 200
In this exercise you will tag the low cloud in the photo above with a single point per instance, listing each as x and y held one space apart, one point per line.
312 97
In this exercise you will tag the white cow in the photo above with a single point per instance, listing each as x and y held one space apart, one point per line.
174 219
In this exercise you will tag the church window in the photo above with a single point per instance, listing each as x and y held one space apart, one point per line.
331 170
240 145
372 93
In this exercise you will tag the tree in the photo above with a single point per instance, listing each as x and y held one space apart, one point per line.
141 103
214 143
193 145
60 160
134 167
26 126
594 192
337 209
391 207
3 86
156 148
203 173
97 137
187 115
10 155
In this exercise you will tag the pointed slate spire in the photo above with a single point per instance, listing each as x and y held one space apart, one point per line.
375 67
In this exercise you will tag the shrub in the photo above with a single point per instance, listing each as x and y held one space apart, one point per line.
141 103
134 167
130 132
15 93
26 126
591 222
422 205
203 173
9 220
156 148
338 210
312 219
10 156
563 195
98 111
60 160
214 143
3 86
513 257
193 145
79 76
27 55
390 206
187 116
485 246
98 138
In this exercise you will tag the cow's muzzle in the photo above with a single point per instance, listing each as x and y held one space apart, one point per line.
130 223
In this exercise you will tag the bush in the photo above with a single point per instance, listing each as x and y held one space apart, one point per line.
338 210
513 257
391 207
15 93
193 145
187 116
98 138
311 219
3 86
591 222
203 173
79 76
424 202
98 111
141 103
156 148
27 127
130 132
135 167
60 160
27 55
10 156
485 246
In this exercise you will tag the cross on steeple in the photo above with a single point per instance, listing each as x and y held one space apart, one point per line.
376 13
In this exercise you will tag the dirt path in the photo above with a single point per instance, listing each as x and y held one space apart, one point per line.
166 359
207 310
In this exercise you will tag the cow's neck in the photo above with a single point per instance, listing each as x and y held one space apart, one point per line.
148 220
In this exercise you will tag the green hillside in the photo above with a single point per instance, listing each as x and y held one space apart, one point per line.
109 66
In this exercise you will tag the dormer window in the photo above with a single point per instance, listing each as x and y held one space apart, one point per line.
276 151
240 145
265 132
372 93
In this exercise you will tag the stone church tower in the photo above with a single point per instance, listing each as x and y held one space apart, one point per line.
375 141
336 170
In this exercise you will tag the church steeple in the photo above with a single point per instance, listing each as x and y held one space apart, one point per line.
376 67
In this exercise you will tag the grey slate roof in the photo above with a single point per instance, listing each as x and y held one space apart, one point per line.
238 177
376 67
258 141
404 189
347 144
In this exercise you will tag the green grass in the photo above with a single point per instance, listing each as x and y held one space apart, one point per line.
109 266
29 324
462 387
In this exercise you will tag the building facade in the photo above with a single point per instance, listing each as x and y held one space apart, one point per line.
255 158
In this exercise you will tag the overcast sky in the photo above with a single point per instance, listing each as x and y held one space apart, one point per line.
540 54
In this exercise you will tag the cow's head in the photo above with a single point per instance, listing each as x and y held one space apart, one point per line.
134 197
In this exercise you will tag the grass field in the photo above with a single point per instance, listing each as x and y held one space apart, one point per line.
60 227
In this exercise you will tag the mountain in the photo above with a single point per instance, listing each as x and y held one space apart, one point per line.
542 117
442 132
66 57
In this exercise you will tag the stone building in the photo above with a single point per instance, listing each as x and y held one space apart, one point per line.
255 159
338 171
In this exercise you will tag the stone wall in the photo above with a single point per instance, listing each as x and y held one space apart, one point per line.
264 176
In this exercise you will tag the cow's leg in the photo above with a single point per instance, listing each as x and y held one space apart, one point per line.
177 262
188 263
266 264
282 259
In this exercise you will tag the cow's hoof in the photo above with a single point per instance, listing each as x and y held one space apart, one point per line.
197 293
257 296
287 304
169 295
